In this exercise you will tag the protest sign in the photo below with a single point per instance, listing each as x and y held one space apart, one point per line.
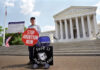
43 55
30 37
15 27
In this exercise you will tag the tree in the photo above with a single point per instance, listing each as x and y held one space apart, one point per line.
1 29
1 38
25 28
6 28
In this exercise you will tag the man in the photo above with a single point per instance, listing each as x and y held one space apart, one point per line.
31 48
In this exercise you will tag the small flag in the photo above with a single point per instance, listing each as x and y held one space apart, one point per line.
6 11
7 41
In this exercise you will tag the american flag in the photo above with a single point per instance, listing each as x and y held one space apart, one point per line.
5 11
7 41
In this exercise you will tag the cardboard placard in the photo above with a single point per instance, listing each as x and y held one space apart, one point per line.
43 55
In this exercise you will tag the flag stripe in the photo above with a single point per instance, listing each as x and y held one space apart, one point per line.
7 41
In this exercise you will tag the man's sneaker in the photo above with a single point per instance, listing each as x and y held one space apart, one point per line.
46 66
29 63
35 66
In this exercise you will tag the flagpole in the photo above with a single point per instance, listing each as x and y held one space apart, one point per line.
4 26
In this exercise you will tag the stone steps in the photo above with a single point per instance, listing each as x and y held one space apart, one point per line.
76 48
76 54
94 43
81 48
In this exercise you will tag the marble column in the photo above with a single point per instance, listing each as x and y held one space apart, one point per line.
61 30
89 25
83 27
66 28
95 23
77 27
71 29
56 28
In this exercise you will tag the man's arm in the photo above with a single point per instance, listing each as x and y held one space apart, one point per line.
38 28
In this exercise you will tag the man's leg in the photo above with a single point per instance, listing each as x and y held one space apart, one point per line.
30 48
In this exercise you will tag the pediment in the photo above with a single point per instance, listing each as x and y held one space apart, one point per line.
75 10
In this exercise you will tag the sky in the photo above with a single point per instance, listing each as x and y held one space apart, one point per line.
43 10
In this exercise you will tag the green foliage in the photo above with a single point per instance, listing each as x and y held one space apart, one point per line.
6 28
1 40
16 39
25 28
1 29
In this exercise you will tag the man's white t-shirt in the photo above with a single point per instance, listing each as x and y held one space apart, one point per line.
36 27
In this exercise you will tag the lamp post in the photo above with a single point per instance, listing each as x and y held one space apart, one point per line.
4 26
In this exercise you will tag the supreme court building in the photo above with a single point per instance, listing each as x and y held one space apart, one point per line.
76 23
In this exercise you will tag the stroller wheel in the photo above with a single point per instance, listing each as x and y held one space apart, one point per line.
46 66
35 66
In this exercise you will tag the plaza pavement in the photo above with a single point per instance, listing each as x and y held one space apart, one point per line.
60 63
